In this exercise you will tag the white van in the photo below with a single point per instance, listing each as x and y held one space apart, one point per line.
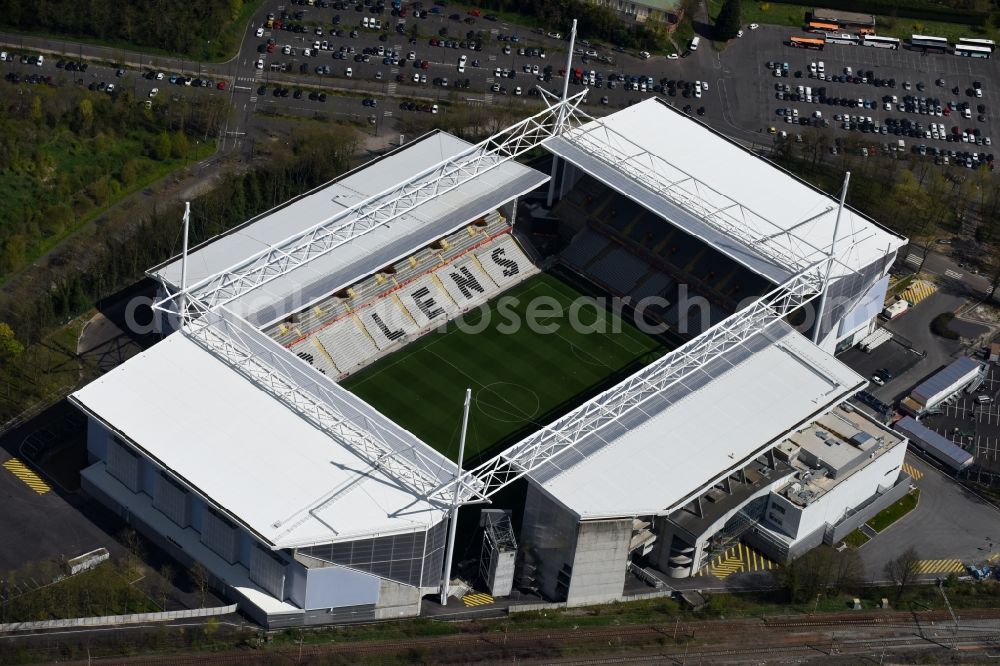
694 43
983 399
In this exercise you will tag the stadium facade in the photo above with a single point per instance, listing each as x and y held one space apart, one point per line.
232 444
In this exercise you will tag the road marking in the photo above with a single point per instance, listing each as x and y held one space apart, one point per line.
940 566
912 471
952 274
737 559
912 259
477 599
30 479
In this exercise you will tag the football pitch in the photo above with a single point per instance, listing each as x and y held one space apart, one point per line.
522 377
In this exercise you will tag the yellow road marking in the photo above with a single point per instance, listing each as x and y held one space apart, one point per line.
940 566
913 471
28 477
477 599
739 559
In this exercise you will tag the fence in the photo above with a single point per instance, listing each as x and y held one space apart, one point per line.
113 620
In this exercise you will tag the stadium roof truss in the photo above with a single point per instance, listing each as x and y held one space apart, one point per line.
573 428
727 216
395 452
232 339
374 212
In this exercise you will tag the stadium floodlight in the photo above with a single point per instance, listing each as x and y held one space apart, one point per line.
572 429
372 213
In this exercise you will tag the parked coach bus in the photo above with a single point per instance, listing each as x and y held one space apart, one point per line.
842 38
986 43
818 26
932 44
880 42
972 51
808 43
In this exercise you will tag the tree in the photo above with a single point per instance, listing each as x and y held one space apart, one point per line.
10 347
199 578
727 24
822 570
903 570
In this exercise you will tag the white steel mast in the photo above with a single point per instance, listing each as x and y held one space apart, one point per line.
817 326
453 519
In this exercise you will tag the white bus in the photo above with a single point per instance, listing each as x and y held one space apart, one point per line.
841 38
925 43
971 51
880 42
987 43
694 43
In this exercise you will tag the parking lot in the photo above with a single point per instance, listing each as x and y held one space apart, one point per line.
972 424
754 80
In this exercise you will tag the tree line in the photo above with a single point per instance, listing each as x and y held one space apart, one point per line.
174 26
595 21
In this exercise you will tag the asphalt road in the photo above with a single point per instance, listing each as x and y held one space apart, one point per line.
949 522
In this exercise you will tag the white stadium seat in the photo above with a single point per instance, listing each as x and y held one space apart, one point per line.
387 322
348 342
504 261
426 301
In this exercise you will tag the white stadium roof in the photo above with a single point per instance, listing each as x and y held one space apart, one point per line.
362 255
683 440
679 169
271 470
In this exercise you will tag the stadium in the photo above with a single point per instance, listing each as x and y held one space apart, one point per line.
649 384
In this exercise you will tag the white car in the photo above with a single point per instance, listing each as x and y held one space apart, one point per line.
672 56
348 72
416 78
642 54
754 26
110 89
517 90
260 32
739 34
412 55
260 63
434 109
152 93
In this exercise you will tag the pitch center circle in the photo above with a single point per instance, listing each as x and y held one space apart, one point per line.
508 402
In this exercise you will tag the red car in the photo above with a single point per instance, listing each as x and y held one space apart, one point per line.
474 12
424 64
221 85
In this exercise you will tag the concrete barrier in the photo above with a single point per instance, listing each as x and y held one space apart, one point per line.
114 620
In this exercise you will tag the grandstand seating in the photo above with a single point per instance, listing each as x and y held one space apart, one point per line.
630 251
584 247
619 270
382 312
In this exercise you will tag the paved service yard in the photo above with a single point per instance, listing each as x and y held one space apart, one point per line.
749 95
950 525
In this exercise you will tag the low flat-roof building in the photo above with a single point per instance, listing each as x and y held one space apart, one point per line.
845 19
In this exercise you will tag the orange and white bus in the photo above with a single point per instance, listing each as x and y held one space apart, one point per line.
820 26
808 43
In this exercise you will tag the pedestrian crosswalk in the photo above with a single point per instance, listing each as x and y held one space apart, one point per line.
915 473
940 566
28 477
737 559
953 274
477 599
913 259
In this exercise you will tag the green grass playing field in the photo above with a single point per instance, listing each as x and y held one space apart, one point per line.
520 379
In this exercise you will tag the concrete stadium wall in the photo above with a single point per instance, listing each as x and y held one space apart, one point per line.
600 561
